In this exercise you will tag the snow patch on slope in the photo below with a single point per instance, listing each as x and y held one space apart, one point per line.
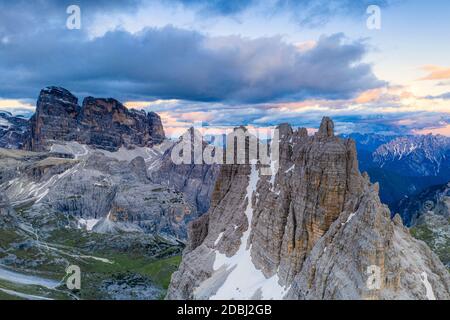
244 281
87 224
218 239
349 218
429 293
290 169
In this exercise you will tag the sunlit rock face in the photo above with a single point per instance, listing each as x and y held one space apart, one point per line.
101 123
312 231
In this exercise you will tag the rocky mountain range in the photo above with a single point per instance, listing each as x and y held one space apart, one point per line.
432 199
94 185
422 155
77 188
317 230
404 165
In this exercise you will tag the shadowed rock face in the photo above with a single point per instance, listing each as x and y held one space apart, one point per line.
310 232
101 123
156 129
55 118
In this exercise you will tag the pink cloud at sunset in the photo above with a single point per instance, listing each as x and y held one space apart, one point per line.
436 72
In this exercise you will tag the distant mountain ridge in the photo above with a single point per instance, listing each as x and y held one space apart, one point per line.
403 165
423 155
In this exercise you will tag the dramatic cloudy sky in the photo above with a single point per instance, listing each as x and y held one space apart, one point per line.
236 62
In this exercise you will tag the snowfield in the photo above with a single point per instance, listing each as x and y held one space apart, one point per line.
244 281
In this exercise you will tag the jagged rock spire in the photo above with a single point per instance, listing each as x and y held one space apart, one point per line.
285 129
310 232
326 128
302 132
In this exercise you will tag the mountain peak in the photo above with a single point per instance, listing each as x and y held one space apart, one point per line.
58 93
326 128
103 123
310 231
285 129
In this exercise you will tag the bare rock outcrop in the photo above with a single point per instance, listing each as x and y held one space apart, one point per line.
101 123
315 229
97 188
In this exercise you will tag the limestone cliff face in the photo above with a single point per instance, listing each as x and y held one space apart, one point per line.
101 123
55 118
312 231
99 191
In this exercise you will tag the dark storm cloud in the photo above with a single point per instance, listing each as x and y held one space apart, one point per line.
37 50
175 63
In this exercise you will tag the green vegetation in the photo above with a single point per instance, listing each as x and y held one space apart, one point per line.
439 244
7 237
150 262
159 271
422 232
